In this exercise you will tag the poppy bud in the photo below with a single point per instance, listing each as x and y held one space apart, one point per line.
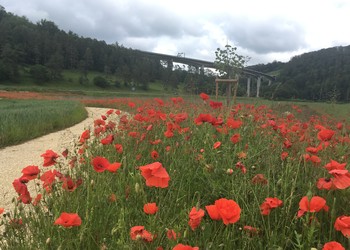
137 188
48 241
229 171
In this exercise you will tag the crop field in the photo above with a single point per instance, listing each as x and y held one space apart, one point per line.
190 174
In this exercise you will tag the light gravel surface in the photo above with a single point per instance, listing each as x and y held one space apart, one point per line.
14 158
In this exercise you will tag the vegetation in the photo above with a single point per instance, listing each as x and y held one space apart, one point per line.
22 120
195 173
319 76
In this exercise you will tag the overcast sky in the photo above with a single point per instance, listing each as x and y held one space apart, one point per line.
264 30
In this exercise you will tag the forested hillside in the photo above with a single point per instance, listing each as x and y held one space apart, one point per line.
322 75
43 51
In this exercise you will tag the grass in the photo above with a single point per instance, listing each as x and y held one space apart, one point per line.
193 143
22 120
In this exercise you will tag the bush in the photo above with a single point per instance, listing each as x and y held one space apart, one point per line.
39 73
101 82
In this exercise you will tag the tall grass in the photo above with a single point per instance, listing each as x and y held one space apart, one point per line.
204 164
21 120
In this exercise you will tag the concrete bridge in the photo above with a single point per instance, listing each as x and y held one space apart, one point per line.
249 73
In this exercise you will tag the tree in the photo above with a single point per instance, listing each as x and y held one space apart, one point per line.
229 64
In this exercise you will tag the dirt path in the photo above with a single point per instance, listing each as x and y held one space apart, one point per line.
14 158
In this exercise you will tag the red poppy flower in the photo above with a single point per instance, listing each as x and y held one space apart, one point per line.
269 204
154 154
107 140
341 178
259 179
325 183
226 210
100 164
37 199
235 138
342 224
113 167
19 186
1 210
171 235
332 165
284 155
333 245
325 134
155 175
195 217
217 145
215 105
68 220
84 136
49 158
204 96
184 247
139 232
30 172
119 148
234 124
315 204
241 167
150 208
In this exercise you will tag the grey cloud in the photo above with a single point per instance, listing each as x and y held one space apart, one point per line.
273 35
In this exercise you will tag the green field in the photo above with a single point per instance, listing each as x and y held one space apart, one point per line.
21 120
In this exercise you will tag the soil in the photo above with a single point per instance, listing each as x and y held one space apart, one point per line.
14 158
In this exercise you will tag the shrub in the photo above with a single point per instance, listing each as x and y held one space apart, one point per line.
101 82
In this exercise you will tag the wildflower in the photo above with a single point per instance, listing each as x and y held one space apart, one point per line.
68 220
184 247
171 235
341 178
342 224
195 217
332 165
333 245
284 155
315 204
325 183
49 158
1 210
154 154
30 172
235 138
269 204
217 145
150 208
84 136
139 232
226 210
155 175
241 167
100 164
259 179
204 96
107 140
325 134
234 124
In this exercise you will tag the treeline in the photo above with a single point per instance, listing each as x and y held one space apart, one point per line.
322 75
43 51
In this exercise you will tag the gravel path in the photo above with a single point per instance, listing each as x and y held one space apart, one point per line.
14 158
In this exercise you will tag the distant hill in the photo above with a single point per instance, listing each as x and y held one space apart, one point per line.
319 75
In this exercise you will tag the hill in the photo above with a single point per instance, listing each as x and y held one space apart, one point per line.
322 75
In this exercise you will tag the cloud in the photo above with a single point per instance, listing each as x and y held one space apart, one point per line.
266 36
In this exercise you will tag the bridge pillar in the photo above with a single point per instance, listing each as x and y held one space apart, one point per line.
248 87
258 86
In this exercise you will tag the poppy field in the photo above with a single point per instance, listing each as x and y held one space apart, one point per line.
177 174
